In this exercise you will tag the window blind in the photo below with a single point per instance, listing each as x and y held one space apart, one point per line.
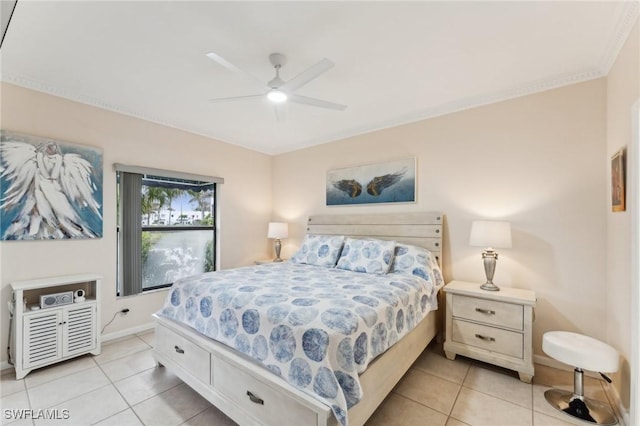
131 196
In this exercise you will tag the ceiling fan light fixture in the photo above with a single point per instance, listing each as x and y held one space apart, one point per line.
276 96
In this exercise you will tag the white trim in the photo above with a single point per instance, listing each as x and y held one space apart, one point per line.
633 197
616 403
553 363
624 26
128 332
165 173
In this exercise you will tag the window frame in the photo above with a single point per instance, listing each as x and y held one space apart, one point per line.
149 173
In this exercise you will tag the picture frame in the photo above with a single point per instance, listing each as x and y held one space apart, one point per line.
618 181
49 189
385 182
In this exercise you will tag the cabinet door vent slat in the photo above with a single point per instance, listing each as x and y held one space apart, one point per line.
80 330
42 338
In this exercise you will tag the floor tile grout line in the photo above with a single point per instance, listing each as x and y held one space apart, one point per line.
165 391
125 355
129 407
502 399
459 385
67 400
455 400
91 357
108 417
198 413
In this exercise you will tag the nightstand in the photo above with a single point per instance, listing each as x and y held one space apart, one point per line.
491 326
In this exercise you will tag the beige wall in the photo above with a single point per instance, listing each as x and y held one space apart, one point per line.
536 161
244 198
623 90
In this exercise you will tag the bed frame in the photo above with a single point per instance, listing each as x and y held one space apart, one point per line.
250 394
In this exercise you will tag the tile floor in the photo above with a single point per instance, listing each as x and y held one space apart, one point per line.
123 387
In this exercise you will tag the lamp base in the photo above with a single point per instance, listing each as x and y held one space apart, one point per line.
278 247
490 287
489 257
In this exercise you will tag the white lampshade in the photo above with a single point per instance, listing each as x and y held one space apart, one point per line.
493 234
278 230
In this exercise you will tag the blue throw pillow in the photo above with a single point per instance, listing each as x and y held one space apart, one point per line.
416 261
319 250
366 255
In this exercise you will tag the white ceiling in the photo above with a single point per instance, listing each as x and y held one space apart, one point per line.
395 62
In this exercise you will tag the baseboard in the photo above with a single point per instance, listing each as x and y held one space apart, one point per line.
614 398
128 332
553 363
610 390
5 367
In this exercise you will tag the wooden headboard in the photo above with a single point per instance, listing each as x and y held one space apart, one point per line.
423 229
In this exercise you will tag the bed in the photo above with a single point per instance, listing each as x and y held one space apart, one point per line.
278 382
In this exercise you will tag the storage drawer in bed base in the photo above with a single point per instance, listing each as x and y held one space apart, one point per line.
236 386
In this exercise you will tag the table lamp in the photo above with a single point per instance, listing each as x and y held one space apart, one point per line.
278 230
492 235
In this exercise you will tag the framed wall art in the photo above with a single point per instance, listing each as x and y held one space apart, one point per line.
49 189
618 181
388 182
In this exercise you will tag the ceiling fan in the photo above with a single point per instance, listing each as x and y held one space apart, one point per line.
277 90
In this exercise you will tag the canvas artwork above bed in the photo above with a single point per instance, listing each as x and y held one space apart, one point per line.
318 320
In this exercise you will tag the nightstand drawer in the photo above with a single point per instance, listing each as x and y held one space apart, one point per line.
502 314
492 339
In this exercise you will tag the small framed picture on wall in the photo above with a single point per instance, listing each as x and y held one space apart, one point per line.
618 181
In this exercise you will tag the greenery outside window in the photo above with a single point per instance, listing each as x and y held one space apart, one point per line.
166 228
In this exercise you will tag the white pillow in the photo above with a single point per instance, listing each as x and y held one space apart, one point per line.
319 250
366 255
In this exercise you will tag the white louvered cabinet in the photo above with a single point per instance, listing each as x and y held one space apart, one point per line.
44 336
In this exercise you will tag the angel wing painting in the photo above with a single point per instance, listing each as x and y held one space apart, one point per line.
390 182
49 189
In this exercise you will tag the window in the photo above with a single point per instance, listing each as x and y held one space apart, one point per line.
166 227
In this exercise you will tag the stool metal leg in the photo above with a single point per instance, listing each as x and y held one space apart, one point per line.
576 405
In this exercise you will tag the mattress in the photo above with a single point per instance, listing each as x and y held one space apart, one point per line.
316 327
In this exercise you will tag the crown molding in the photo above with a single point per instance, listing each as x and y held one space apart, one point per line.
628 18
65 93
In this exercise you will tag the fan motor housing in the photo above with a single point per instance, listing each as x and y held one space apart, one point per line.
277 59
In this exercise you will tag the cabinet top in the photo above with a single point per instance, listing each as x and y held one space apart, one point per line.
53 281
506 294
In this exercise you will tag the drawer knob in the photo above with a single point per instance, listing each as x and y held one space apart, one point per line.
485 311
486 338
254 398
178 349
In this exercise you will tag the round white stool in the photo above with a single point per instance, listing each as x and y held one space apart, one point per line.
583 353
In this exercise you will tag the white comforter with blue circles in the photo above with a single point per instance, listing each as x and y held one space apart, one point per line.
315 327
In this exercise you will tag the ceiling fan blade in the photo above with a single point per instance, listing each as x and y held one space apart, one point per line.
228 65
316 102
279 112
235 98
307 75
